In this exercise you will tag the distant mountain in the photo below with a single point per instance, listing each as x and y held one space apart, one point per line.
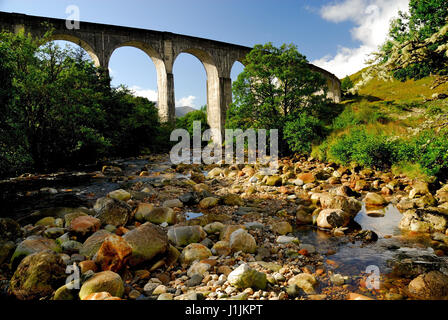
182 111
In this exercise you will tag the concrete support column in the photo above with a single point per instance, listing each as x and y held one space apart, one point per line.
225 85
166 103
219 97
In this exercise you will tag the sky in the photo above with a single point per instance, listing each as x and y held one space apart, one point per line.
337 35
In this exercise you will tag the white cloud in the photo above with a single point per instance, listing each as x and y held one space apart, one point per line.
371 18
151 95
186 102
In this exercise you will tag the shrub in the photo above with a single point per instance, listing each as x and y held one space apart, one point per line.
300 133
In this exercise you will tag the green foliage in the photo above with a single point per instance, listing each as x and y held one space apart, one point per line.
58 109
276 86
416 45
302 131
365 115
346 85
186 122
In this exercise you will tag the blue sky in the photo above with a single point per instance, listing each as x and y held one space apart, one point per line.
334 34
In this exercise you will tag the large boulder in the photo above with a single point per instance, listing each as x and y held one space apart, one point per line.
147 241
93 243
106 281
30 245
184 235
38 275
112 211
245 277
431 285
422 220
419 189
113 253
333 218
142 210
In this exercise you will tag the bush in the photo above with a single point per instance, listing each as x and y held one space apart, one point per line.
364 115
363 148
300 133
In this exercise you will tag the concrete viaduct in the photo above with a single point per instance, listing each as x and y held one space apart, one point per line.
101 40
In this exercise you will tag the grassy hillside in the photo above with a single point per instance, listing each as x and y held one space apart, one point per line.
391 124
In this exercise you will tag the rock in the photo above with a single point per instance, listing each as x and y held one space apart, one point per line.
349 205
84 225
194 251
431 285
54 232
106 281
198 268
221 248
93 243
69 217
38 275
197 177
374 199
241 240
190 198
71 246
184 235
143 209
150 287
227 231
214 227
366 235
30 245
357 296
119 194
9 229
215 172
161 215
303 217
208 202
113 253
112 211
244 277
337 279
87 265
254 225
194 281
146 242
232 200
282 227
425 201
419 189
65 292
307 177
47 222
165 296
424 220
188 296
174 203
405 204
286 240
274 181
160 289
304 281
333 218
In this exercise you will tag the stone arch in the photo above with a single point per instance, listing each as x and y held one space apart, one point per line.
78 41
214 108
165 100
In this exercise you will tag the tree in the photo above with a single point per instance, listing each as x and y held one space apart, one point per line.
275 87
346 85
417 41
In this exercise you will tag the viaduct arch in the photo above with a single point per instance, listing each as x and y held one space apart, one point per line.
101 40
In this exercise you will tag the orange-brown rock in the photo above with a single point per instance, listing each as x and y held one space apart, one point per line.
113 253
85 225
